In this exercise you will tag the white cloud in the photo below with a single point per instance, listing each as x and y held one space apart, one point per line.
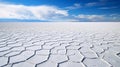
90 17
42 12
108 7
115 16
96 3
75 6
91 4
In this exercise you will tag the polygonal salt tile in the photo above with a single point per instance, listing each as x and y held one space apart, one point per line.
65 44
4 48
46 47
37 59
50 46
33 48
95 63
47 64
77 57
23 64
29 38
21 40
27 44
43 52
75 44
3 61
71 52
85 49
3 53
62 52
18 49
90 55
55 44
79 40
54 51
38 43
87 45
112 59
63 41
15 44
98 49
71 64
60 47
73 47
8 65
50 43
58 58
12 53
21 57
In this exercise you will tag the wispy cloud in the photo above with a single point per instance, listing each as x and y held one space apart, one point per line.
42 12
74 6
90 17
91 4
96 3
115 16
108 7
93 17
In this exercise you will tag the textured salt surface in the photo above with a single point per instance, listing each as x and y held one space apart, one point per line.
59 45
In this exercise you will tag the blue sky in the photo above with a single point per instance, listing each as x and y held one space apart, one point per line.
60 10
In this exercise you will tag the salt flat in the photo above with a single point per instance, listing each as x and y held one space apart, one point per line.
58 44
61 26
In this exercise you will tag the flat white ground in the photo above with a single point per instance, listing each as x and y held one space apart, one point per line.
62 26
58 44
